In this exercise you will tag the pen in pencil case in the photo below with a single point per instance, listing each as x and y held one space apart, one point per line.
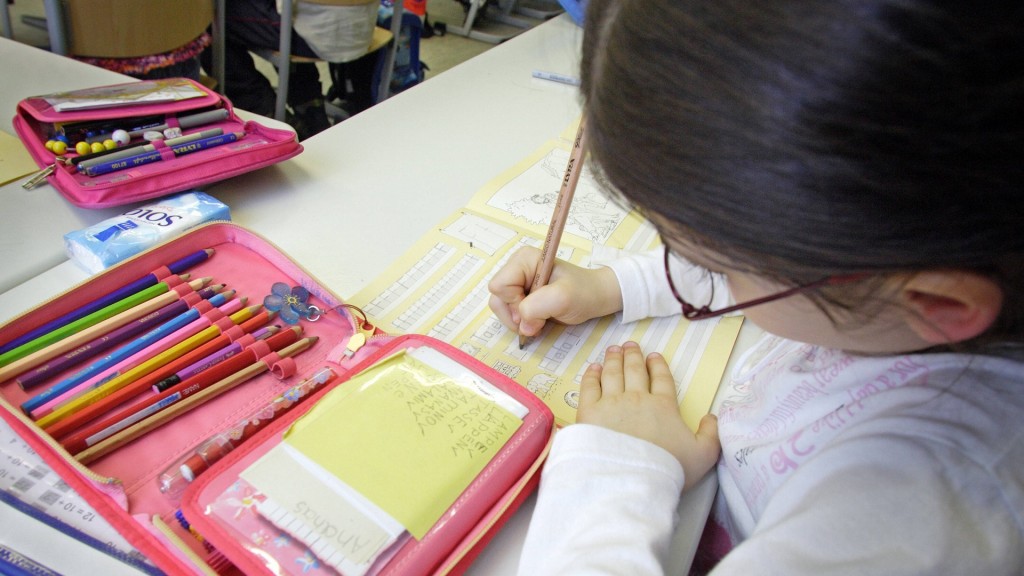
157 155
89 160
179 475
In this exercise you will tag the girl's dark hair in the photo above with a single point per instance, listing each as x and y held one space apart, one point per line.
808 138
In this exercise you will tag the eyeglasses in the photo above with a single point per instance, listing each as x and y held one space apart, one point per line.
691 312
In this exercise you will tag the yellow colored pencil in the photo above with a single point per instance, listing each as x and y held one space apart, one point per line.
160 418
160 359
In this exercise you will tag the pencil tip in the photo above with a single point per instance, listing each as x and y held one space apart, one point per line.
209 252
185 277
255 308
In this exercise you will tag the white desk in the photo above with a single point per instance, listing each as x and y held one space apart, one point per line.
366 190
33 222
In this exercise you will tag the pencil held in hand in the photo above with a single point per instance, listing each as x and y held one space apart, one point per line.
561 214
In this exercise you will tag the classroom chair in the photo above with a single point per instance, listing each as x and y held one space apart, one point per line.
381 38
132 28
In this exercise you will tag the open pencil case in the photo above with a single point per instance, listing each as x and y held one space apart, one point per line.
181 532
244 145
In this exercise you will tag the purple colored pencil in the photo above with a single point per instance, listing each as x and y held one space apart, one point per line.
39 375
212 359
176 267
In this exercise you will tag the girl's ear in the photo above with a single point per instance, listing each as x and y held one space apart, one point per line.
951 306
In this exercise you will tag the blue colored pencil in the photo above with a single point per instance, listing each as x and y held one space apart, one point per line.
157 156
37 376
176 267
120 354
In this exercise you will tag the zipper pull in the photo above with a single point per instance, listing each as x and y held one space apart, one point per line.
354 344
39 177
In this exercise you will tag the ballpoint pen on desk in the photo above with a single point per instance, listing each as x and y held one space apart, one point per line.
561 213
158 155
556 77
180 474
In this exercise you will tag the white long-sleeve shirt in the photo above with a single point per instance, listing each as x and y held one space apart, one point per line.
832 464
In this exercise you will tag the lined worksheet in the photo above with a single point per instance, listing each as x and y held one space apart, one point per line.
439 288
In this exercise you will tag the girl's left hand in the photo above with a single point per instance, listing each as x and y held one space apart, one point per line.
637 397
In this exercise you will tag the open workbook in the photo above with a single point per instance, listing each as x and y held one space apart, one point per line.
439 288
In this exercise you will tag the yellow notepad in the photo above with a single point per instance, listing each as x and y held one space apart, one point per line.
409 435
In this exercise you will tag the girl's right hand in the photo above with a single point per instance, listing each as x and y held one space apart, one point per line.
572 295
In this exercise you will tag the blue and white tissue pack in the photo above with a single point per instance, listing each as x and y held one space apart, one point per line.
102 245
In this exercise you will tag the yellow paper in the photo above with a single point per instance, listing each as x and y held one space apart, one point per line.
14 159
406 436
439 288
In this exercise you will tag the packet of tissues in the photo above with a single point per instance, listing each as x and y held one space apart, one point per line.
104 244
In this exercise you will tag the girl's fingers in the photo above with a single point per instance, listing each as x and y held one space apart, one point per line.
590 385
612 380
634 368
662 382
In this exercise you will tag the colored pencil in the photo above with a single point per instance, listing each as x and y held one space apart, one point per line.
75 439
76 339
560 215
103 443
50 338
139 385
176 267
220 341
122 380
84 162
97 367
37 376
158 156
211 360
53 401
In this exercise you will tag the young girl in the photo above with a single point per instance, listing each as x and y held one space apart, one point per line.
849 172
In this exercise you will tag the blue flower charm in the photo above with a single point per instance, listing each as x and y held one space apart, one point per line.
290 303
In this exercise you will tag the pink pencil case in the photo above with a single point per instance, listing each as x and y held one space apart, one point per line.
177 534
38 121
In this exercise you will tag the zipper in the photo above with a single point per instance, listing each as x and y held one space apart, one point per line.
39 177
107 484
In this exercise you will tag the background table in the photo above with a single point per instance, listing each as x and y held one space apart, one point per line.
33 222
360 194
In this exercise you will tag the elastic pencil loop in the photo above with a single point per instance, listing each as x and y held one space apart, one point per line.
166 152
183 289
164 274
260 348
224 322
172 122
204 307
284 367
236 334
